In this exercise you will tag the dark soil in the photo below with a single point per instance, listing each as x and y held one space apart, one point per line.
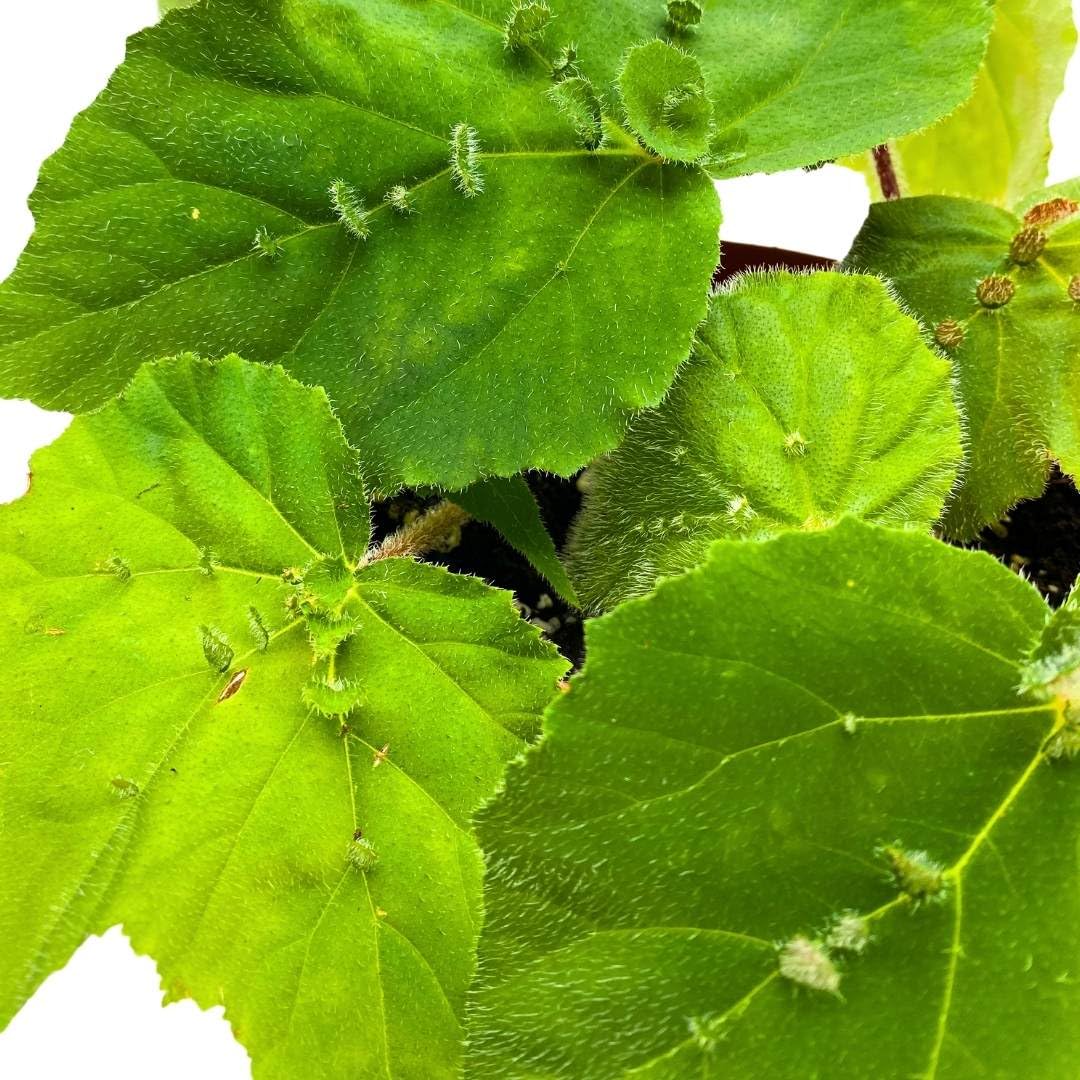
1040 538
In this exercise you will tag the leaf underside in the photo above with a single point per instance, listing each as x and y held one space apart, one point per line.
807 398
201 803
1018 378
724 778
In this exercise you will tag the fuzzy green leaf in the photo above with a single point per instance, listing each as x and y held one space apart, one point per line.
482 330
508 505
311 869
996 146
794 820
793 83
1002 290
807 398
666 101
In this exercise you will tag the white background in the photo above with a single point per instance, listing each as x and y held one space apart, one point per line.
100 1017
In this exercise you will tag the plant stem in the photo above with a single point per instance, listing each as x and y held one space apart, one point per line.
428 532
890 185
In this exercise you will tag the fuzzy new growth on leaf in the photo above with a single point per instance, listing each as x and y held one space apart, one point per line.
350 210
1027 245
118 567
1052 211
740 513
465 160
267 245
526 23
795 445
949 334
576 98
332 697
565 65
327 633
260 635
807 963
665 101
995 291
216 648
400 198
1066 742
915 873
683 14
849 932
360 855
207 562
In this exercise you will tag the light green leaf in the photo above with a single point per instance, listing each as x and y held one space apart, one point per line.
807 398
996 146
794 83
1015 350
316 875
508 505
291 180
794 820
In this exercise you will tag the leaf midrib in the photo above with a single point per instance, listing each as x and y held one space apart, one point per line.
251 254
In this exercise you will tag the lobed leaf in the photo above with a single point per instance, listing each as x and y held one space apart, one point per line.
996 146
1002 290
793 821
283 824
481 331
807 398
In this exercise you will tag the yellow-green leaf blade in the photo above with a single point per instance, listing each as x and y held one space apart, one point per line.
996 146
162 769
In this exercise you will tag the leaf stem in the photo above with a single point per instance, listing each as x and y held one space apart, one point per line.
427 533
886 171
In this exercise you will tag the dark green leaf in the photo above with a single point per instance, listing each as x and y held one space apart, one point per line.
1002 292
794 821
